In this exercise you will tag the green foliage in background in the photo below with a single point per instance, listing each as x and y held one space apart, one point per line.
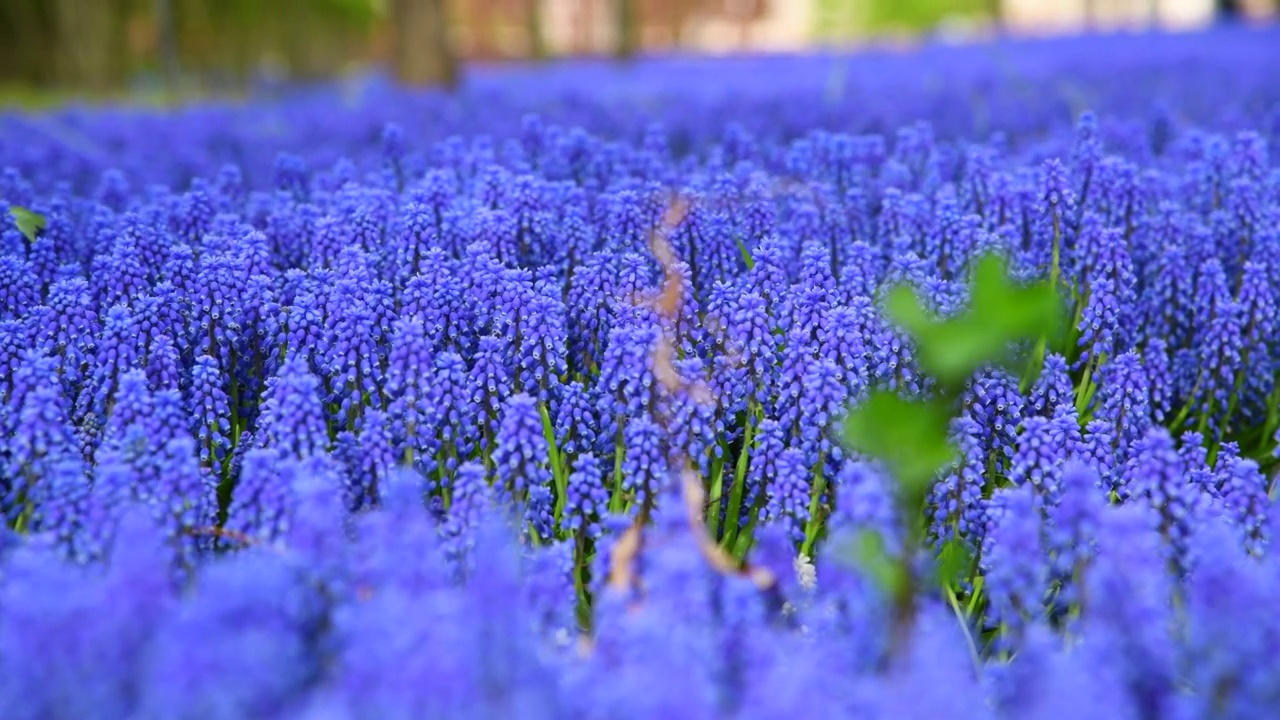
915 15
842 19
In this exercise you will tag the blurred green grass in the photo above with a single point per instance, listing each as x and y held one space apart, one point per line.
843 19
917 15
25 98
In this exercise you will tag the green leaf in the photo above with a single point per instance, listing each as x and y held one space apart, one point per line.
871 556
558 474
954 564
1000 314
746 254
29 223
1016 311
909 435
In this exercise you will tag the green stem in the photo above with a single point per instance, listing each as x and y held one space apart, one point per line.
1085 393
713 497
20 525
748 535
964 625
442 465
1273 417
615 501
579 580
558 475
486 447
1057 235
1191 400
976 596
815 507
1203 425
739 478
1070 349
234 402
1236 389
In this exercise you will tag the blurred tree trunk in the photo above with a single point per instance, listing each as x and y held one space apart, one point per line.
1227 9
680 12
421 48
533 21
480 23
167 41
307 53
672 14
584 25
627 34
26 41
89 43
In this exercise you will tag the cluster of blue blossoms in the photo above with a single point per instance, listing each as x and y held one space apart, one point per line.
360 403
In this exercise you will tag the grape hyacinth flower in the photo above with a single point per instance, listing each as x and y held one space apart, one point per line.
1012 556
409 366
521 456
1157 476
788 494
587 498
644 463
292 419
210 410
956 501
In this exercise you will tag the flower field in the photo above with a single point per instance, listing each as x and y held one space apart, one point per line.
876 386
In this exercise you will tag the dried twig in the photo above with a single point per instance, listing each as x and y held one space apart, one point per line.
622 560
667 304
225 534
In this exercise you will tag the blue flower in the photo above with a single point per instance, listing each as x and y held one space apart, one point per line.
586 498
521 459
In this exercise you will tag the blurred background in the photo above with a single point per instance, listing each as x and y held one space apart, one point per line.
106 47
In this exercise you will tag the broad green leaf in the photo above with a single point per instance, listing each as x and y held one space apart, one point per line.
949 350
871 556
1017 312
1000 314
29 223
954 564
909 435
